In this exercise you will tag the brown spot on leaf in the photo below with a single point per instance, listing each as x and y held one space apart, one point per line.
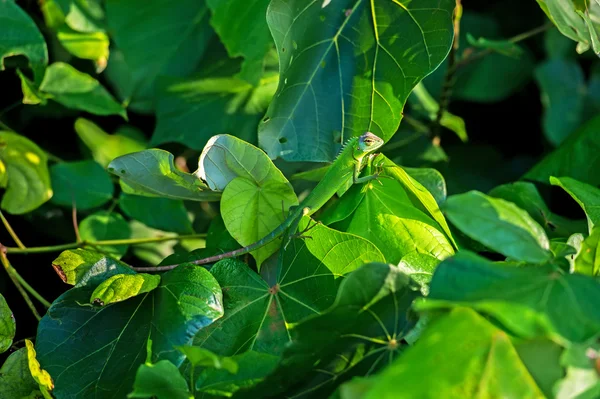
274 289
58 269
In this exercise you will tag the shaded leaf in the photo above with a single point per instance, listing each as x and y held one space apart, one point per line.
87 45
489 364
106 147
20 36
347 69
530 301
359 334
152 173
251 369
588 257
77 344
144 52
106 226
121 287
563 94
77 90
161 380
200 357
24 174
172 216
499 225
243 34
585 142
16 381
190 111
82 267
504 47
586 195
8 325
84 184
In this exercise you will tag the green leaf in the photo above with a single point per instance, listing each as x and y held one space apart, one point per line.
588 257
172 216
585 142
161 380
24 174
40 376
563 94
298 285
77 90
121 287
474 359
432 180
20 36
87 45
79 344
84 184
106 147
106 226
530 301
82 267
359 334
581 380
527 197
152 173
8 326
573 23
420 193
499 225
256 194
504 47
154 45
252 367
385 215
586 195
420 268
243 34
234 105
348 69
16 381
200 357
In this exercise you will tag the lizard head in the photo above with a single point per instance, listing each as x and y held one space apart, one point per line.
368 143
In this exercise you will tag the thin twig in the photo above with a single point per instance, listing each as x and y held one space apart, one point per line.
82 244
450 75
12 274
75 223
11 231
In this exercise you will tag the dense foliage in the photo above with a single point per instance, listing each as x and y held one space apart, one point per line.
137 134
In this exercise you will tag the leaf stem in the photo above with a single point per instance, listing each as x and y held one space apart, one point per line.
127 241
17 281
11 231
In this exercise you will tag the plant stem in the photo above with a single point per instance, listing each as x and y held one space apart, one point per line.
12 274
11 231
128 241
450 76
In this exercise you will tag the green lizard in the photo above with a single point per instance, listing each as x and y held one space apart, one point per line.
348 164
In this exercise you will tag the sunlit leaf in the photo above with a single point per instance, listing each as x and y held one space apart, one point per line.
347 69
586 195
588 257
121 287
200 357
499 225
82 267
41 376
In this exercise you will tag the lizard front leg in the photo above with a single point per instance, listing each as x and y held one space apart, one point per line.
375 176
